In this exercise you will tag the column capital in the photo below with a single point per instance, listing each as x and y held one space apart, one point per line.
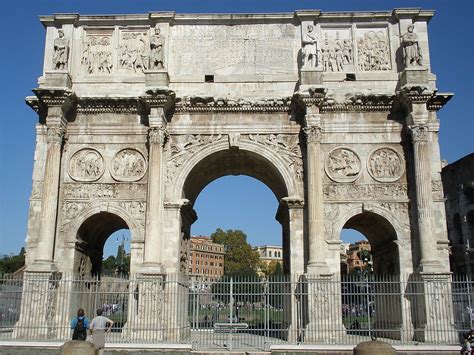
418 133
158 135
313 134
56 134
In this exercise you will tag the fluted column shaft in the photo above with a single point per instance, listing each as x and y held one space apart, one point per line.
315 197
154 213
424 196
45 251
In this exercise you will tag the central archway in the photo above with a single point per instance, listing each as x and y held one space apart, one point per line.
251 160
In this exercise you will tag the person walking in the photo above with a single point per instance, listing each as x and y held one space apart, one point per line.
80 324
98 327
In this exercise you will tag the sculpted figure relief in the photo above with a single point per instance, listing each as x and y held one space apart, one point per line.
128 165
133 52
61 51
86 165
157 44
310 59
97 55
385 165
343 165
336 53
373 51
411 48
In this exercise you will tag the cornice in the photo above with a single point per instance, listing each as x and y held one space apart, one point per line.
97 105
202 104
360 103
438 100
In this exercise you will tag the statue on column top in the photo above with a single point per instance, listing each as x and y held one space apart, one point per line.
61 51
309 50
412 50
157 43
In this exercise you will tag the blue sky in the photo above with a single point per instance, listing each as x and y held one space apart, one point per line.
230 202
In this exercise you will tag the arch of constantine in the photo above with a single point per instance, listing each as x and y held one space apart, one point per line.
335 112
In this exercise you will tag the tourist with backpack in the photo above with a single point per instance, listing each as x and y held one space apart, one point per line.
80 324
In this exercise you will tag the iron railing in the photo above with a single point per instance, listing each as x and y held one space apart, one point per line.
243 313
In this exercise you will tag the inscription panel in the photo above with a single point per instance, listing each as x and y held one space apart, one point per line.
240 49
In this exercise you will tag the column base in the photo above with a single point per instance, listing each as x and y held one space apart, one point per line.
43 266
317 268
149 268
429 266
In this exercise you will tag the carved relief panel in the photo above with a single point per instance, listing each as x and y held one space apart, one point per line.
337 53
385 165
86 165
128 165
342 165
373 49
97 52
133 51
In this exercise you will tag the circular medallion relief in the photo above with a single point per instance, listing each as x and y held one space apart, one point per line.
342 165
385 165
128 165
86 165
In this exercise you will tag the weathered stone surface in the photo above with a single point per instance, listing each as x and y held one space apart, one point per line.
374 347
76 347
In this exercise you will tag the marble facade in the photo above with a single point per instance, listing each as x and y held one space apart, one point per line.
335 112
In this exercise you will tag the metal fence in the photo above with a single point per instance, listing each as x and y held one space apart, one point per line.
243 313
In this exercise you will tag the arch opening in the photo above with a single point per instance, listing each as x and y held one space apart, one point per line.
382 239
91 239
370 293
237 162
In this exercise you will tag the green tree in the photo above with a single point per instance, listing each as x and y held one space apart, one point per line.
108 265
240 258
10 264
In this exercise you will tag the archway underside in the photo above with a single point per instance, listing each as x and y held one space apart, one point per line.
233 162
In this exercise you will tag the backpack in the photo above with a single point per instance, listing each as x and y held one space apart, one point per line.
79 330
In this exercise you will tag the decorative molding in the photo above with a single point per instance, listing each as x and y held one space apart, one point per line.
97 105
360 103
438 100
212 104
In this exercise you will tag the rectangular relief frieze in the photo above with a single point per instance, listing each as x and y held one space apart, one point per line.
73 191
373 49
97 57
364 192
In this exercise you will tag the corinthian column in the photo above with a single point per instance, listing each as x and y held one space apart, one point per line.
154 215
315 200
424 198
49 205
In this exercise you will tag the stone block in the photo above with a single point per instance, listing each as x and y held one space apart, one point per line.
312 76
157 78
76 347
414 77
374 347
57 79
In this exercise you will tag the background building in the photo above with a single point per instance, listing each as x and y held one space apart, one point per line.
353 255
269 253
458 186
206 259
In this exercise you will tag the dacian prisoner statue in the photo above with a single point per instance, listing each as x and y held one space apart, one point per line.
61 51
411 47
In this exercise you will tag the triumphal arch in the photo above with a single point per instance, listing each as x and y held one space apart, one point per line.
335 112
